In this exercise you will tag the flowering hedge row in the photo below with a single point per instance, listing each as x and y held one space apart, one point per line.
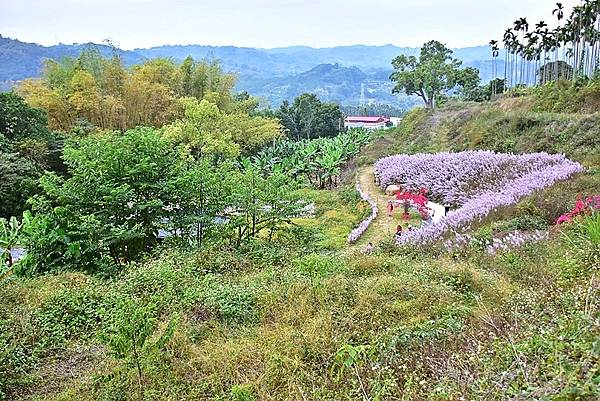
362 227
476 182
512 240
454 178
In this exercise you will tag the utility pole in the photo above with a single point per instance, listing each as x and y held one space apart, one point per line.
362 98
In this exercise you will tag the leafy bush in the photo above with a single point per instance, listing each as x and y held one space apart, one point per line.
233 303
72 313
18 183
241 393
19 353
583 237
523 222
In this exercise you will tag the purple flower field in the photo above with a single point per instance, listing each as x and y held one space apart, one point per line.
512 240
476 183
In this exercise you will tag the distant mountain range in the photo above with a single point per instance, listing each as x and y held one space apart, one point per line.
335 74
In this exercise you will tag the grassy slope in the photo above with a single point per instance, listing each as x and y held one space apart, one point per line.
495 126
278 324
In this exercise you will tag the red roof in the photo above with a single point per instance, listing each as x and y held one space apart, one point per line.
364 119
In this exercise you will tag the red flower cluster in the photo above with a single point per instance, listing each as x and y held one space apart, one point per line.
582 206
418 200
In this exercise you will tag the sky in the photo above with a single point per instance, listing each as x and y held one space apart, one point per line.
267 23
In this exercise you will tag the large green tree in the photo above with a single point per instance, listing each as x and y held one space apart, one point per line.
18 181
118 194
19 121
432 74
27 148
207 130
308 118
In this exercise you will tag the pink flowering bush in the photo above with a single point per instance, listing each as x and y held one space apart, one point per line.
476 183
416 200
582 206
362 227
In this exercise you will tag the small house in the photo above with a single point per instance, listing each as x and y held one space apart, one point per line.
366 122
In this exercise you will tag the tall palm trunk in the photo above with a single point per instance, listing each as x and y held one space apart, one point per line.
505 65
494 72
556 61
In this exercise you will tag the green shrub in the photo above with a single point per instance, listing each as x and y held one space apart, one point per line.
241 393
427 331
316 266
463 282
523 223
162 282
72 314
233 303
583 239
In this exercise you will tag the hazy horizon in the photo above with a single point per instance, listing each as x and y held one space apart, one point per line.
267 24
232 45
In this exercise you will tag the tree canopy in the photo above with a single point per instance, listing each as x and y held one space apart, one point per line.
124 192
27 148
432 74
307 117
102 92
205 129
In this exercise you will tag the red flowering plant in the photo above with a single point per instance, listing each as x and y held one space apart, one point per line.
417 200
582 207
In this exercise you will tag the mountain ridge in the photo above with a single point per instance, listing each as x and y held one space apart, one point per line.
275 74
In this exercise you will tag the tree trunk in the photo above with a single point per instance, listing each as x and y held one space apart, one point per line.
505 66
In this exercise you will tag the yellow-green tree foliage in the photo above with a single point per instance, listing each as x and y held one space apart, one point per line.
104 93
206 129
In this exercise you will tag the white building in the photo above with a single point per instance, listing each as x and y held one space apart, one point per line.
366 122
395 121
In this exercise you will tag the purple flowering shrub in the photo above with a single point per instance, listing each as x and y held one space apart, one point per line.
362 227
512 240
477 183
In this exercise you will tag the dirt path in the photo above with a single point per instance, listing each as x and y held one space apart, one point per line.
383 227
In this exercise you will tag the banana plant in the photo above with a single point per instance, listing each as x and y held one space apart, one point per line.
10 234
319 160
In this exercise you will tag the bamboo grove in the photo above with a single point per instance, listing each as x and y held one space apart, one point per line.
538 54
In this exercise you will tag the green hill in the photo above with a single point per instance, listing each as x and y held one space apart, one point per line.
514 124
306 317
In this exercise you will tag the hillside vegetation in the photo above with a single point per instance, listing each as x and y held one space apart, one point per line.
306 318
163 237
556 118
